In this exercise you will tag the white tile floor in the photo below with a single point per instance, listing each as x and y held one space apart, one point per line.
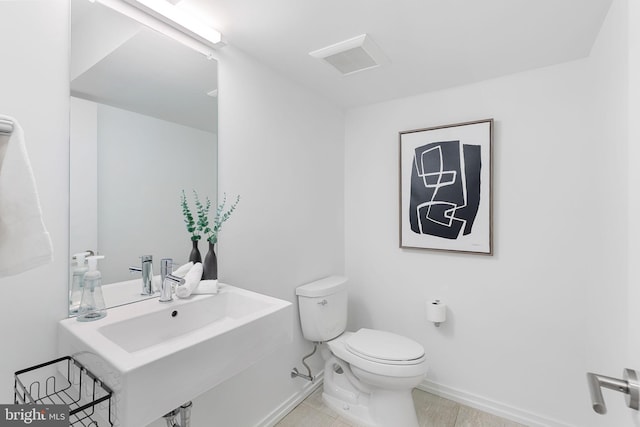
433 411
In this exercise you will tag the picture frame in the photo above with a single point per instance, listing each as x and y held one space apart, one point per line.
446 187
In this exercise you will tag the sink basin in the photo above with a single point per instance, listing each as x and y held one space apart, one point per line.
183 323
157 356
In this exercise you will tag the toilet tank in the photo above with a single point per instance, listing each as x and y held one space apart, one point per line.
323 308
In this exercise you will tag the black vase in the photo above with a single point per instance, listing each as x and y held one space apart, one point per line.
195 256
210 265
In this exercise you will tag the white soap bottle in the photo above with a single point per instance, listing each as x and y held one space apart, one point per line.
77 281
92 306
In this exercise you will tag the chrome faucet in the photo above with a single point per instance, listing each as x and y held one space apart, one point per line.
166 268
147 274
167 287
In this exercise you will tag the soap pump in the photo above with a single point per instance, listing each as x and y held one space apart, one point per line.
92 306
77 281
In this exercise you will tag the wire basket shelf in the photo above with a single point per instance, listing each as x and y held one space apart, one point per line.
65 381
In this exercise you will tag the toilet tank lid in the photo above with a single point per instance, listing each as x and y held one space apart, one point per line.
323 287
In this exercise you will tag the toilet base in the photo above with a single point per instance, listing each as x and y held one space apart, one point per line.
391 410
353 412
364 404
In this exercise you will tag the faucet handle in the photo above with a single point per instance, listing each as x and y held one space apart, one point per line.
167 287
174 279
143 258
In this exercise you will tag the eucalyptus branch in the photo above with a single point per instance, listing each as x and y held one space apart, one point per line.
220 218
188 218
203 214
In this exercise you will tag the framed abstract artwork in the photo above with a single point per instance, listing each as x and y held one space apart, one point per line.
445 187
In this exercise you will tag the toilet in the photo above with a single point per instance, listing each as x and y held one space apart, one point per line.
368 374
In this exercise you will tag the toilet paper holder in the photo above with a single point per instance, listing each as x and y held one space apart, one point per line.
436 312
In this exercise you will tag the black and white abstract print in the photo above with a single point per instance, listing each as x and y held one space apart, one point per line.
445 189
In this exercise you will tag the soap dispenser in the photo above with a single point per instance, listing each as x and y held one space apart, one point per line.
77 280
92 306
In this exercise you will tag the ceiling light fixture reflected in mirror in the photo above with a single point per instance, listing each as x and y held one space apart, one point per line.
164 17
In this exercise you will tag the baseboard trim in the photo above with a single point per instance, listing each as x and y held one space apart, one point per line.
469 399
491 406
294 400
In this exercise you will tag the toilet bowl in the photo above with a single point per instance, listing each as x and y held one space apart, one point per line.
368 374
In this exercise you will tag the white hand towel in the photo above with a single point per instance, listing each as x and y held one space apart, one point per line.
24 240
183 269
206 287
191 281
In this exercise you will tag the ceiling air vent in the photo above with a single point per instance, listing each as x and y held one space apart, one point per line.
353 55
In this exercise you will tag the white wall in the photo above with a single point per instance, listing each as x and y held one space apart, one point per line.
281 149
634 153
606 307
522 323
83 175
35 90
633 333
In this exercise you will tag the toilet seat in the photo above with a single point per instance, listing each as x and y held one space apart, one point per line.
384 347
377 365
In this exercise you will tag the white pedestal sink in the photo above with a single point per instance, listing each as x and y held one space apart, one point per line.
156 356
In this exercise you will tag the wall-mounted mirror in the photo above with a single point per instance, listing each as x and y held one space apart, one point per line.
143 128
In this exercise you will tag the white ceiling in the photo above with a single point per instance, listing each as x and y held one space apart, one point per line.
155 76
144 72
431 44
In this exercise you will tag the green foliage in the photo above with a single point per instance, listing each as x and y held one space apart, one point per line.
188 218
203 213
221 217
202 226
